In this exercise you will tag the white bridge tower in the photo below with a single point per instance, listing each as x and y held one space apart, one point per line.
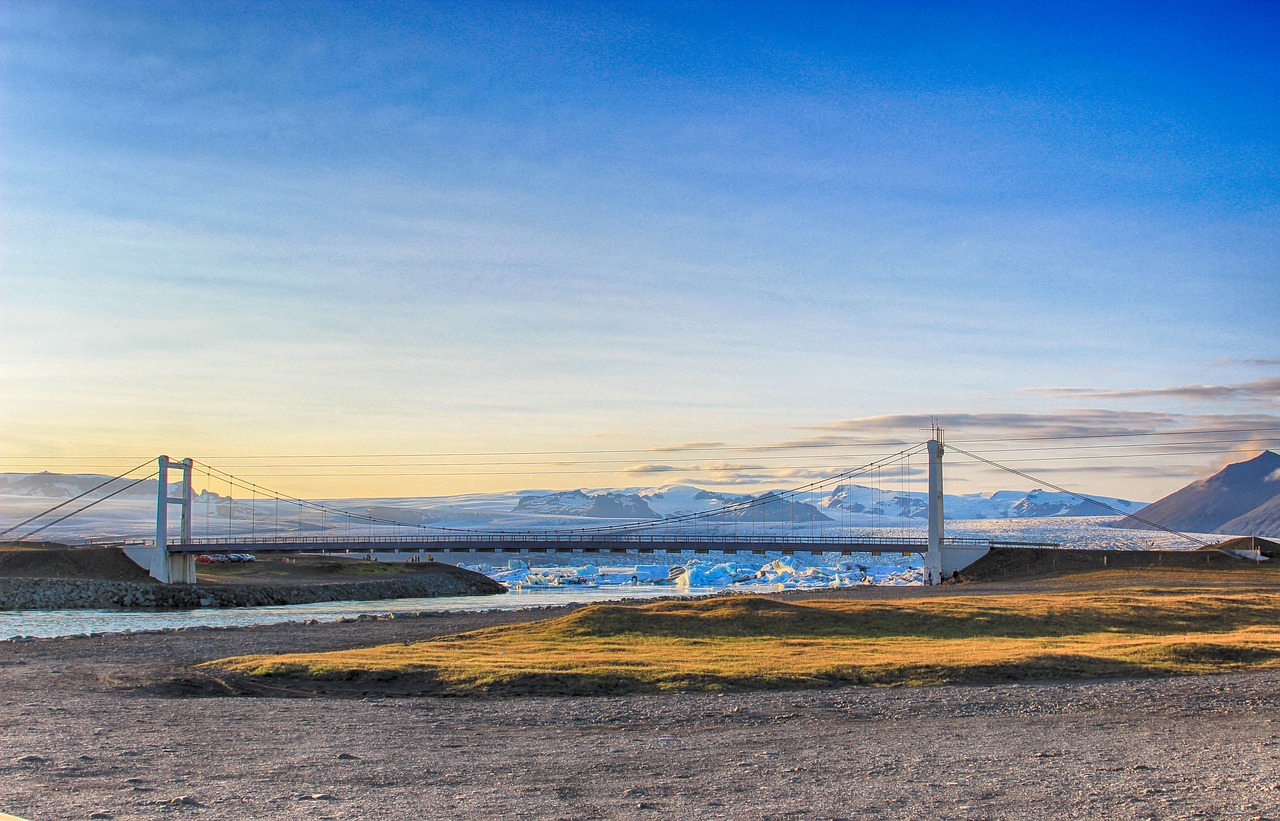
165 566
942 559
933 564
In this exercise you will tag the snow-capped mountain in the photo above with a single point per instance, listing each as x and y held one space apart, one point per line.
23 495
669 501
865 502
773 507
1002 504
874 502
678 500
47 485
66 485
607 505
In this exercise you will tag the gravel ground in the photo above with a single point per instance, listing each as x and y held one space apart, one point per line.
87 734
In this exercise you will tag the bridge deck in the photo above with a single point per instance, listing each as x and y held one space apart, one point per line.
523 543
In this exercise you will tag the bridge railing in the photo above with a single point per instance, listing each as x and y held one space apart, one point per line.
508 537
561 538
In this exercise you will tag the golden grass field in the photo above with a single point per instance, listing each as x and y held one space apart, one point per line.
743 642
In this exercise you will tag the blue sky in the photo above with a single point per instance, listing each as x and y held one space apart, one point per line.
269 228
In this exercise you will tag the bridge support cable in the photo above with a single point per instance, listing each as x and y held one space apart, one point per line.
1083 498
234 482
63 504
77 512
787 497
783 517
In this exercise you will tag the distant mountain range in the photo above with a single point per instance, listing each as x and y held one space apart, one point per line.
861 502
66 485
857 504
596 506
1240 500
1002 504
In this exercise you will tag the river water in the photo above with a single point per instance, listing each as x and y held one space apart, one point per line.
1078 532
54 623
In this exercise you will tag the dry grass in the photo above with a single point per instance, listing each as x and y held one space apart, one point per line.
751 642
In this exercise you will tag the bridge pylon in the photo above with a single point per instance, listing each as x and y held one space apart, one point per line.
933 556
942 559
172 568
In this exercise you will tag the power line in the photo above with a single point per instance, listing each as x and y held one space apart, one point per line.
235 481
86 507
678 460
74 498
669 449
1080 496
734 508
672 449
1183 432
1214 452
752 503
1252 441
686 469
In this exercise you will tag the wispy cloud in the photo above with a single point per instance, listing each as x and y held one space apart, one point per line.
1152 453
1262 389
651 469
1176 473
1257 363
685 446
901 429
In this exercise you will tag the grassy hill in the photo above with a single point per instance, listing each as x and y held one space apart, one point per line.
756 642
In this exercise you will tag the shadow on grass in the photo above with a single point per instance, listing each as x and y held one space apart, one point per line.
1047 667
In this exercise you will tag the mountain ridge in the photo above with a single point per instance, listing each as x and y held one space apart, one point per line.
1225 502
650 503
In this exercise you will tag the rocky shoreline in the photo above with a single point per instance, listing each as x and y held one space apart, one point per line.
95 594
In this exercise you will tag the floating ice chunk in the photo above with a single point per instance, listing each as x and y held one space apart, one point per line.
649 573
778 567
703 576
696 572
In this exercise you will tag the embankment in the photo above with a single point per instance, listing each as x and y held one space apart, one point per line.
1007 564
64 594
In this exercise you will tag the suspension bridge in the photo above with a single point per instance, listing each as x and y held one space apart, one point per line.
774 523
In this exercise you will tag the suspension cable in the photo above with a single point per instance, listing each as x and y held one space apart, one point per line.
91 504
235 481
736 507
74 498
1081 496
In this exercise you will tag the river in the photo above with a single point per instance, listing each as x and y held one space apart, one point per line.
55 623
1077 532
